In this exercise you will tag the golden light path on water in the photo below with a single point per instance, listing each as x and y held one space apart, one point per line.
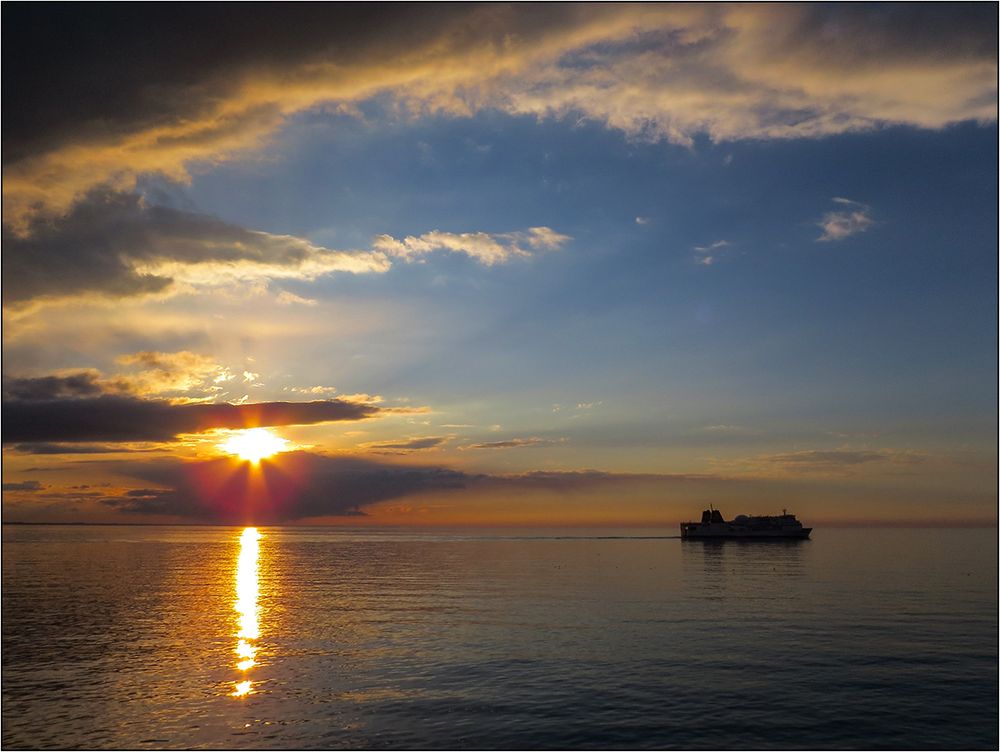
247 592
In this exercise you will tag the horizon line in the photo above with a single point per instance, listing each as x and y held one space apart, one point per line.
852 524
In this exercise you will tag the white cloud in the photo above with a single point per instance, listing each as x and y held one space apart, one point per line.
289 298
157 373
484 247
853 219
712 247
366 399
313 390
708 254
545 238
757 71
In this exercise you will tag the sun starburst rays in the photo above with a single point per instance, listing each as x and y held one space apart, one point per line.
254 444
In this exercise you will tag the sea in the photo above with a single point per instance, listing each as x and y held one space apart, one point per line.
158 637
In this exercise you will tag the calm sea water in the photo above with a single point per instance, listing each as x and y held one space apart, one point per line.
128 637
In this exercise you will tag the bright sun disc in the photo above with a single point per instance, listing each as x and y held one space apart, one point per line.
253 444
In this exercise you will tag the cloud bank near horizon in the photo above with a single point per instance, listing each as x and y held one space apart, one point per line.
302 485
308 486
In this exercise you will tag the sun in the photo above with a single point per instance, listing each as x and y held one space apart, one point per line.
253 444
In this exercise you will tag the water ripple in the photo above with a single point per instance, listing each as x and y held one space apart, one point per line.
124 638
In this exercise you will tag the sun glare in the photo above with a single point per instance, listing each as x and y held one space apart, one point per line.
253 444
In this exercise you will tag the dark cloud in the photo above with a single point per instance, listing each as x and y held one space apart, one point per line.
293 485
832 457
123 418
109 242
99 71
511 443
43 447
82 384
409 445
95 72
27 485
584 479
861 34
298 485
90 70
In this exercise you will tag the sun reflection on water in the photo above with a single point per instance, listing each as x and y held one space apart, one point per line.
247 592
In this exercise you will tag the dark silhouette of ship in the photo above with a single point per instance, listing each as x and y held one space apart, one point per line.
745 527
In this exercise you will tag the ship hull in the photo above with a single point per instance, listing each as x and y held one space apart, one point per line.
753 535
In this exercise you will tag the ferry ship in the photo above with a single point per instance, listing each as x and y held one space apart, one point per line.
745 527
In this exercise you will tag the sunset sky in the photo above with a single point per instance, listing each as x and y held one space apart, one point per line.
506 265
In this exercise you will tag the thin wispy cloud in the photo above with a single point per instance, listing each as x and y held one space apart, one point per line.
709 254
314 390
532 441
828 461
484 247
289 298
854 218
25 485
416 444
